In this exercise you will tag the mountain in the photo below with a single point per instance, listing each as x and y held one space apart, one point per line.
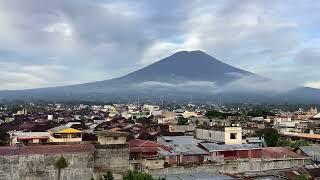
188 66
180 76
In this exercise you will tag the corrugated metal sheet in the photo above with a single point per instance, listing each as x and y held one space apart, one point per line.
212 147
312 151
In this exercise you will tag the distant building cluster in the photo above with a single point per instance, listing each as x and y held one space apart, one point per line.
163 140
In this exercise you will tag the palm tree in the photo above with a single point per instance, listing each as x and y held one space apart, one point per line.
59 164
108 176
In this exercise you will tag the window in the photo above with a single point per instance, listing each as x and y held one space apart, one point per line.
233 135
115 138
76 135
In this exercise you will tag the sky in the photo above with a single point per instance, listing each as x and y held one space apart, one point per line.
54 43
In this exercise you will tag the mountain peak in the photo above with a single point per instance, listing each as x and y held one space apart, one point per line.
189 66
193 52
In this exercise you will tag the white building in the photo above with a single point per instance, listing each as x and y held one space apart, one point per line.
226 135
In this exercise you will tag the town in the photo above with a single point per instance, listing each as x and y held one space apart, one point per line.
170 141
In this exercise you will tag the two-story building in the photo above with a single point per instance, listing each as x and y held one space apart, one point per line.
221 135
64 134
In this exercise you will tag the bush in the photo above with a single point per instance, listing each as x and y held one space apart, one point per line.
136 175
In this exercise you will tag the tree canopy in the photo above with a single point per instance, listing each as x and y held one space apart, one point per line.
59 164
182 121
270 135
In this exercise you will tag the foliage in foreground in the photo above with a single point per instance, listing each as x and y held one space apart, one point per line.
108 176
136 175
59 164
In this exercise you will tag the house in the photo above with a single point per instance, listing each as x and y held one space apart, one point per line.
219 153
311 138
311 171
257 141
64 134
28 138
185 147
111 137
146 154
316 117
224 135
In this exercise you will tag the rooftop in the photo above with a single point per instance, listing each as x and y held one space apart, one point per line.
63 129
278 152
211 147
45 149
111 133
311 151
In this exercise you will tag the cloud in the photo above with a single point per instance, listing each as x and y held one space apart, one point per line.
255 85
308 57
97 40
313 84
245 84
62 28
14 76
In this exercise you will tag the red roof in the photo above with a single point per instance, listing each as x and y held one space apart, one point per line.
143 143
45 149
278 152
144 149
138 145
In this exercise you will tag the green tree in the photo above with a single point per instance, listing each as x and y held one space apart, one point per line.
136 175
284 143
301 177
60 164
260 113
299 143
108 176
182 121
216 114
270 135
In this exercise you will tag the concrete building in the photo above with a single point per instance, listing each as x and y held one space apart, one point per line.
313 111
185 147
111 153
50 117
151 107
311 138
147 155
111 137
224 135
188 114
85 161
220 153
64 134
28 138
